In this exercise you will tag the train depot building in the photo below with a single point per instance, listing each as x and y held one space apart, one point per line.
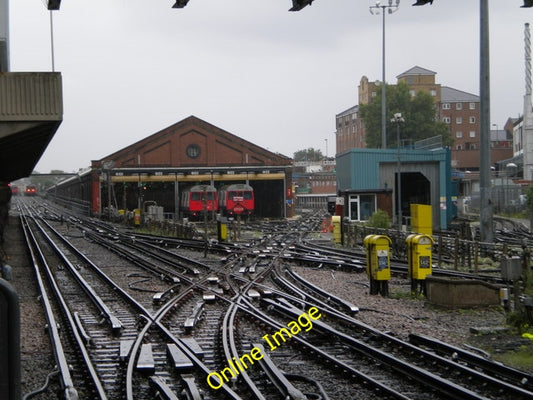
156 170
367 180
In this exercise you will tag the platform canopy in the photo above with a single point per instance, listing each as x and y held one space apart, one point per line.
31 110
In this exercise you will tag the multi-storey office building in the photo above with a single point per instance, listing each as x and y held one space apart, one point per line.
458 109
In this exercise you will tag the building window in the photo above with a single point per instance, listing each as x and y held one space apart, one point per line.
459 120
446 120
193 151
445 106
459 147
374 94
362 207
472 146
472 134
458 106
472 120
412 93
458 134
472 106
433 92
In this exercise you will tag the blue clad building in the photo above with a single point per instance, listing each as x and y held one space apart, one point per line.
368 181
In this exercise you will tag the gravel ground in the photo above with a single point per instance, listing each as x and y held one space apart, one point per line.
37 360
400 314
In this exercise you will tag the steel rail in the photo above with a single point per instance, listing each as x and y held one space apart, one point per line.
70 393
341 303
516 377
114 322
230 349
423 376
383 389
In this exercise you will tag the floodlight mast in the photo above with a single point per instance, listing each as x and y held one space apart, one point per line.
180 3
297 5
390 7
53 4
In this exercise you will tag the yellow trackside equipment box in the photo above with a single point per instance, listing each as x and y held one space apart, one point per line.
421 219
337 228
222 229
137 217
419 249
378 257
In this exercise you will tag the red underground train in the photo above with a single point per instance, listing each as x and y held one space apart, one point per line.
237 199
196 199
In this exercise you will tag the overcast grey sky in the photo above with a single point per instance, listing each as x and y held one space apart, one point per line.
276 78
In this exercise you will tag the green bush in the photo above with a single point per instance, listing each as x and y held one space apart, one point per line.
380 219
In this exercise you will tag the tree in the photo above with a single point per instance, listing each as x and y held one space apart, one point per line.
309 154
418 112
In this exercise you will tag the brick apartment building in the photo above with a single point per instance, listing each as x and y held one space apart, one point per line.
458 109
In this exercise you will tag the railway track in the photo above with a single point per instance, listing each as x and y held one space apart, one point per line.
159 318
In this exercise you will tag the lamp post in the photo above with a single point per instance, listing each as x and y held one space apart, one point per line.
390 7
397 120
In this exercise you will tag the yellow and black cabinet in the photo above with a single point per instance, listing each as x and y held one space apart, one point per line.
378 263
419 260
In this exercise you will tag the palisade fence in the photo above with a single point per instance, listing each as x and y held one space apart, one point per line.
505 198
457 249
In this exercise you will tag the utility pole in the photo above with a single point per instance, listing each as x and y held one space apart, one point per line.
4 36
486 209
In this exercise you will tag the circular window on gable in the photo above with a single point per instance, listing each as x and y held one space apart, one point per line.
193 151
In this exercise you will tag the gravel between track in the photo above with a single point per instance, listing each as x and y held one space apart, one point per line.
399 314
